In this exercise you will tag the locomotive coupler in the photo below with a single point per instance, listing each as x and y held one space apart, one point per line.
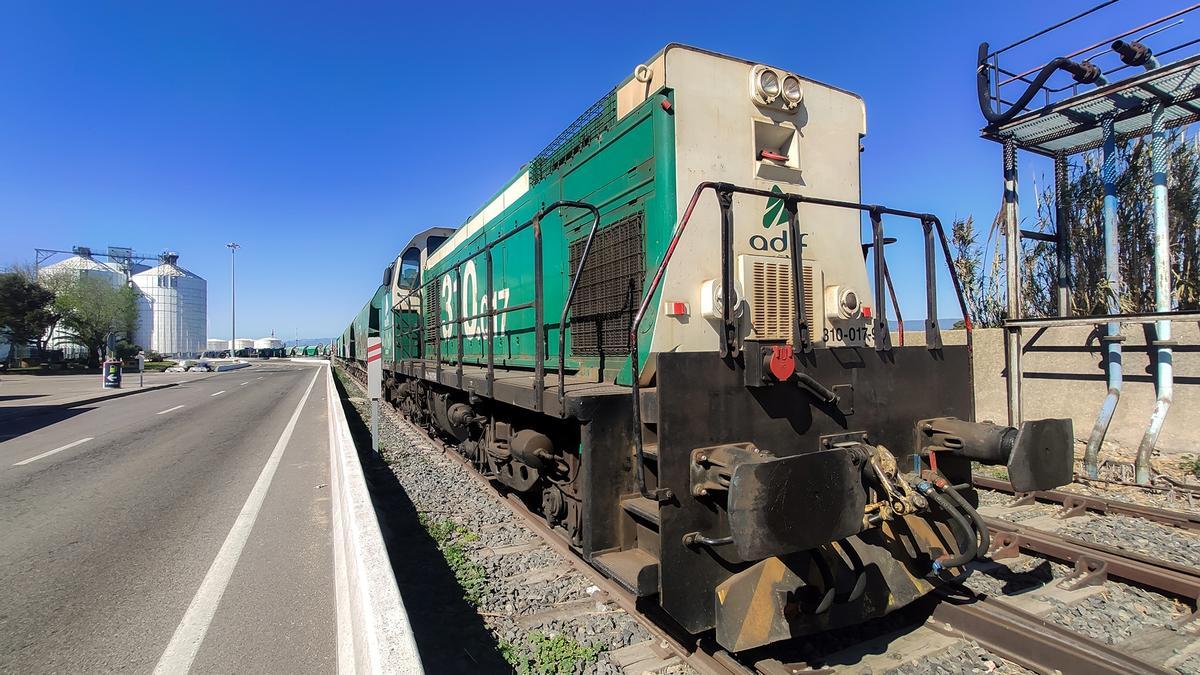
1039 454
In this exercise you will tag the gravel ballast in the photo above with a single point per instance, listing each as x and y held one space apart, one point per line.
547 616
1137 535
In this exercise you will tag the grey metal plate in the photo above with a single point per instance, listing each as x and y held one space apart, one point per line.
795 503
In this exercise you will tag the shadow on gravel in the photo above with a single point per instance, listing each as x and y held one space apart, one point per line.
450 634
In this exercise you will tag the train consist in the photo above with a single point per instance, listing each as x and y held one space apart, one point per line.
664 334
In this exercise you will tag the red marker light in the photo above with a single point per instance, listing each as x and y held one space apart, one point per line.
866 312
676 308
666 105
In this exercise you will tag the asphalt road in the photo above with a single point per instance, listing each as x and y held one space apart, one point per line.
184 527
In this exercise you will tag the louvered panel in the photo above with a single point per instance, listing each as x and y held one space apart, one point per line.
772 309
432 293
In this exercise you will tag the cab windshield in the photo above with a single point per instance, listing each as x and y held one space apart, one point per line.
410 268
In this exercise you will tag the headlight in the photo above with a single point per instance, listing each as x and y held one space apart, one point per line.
764 85
768 83
791 90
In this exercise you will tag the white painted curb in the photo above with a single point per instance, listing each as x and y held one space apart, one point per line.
374 635
230 366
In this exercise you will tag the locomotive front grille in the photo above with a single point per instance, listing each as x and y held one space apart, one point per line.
769 290
609 288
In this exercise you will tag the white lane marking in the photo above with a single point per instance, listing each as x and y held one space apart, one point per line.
164 412
47 454
185 643
260 378
218 393
243 384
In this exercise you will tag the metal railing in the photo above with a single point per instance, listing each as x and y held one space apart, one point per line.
730 337
993 77
490 314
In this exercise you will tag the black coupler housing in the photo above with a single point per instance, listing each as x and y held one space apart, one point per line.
768 531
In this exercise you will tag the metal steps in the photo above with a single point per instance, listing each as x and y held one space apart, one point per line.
635 570
642 509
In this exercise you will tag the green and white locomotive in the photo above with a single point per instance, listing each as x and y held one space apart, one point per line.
663 334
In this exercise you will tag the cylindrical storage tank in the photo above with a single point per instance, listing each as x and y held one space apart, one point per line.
268 343
217 345
174 319
244 343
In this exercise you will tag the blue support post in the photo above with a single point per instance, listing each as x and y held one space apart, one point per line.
1112 334
1163 375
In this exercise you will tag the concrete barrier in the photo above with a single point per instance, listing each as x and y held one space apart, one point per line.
222 367
1064 377
374 635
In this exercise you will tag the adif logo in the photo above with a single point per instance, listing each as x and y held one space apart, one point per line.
775 214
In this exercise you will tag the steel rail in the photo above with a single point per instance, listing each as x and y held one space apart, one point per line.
1030 641
1074 502
1159 575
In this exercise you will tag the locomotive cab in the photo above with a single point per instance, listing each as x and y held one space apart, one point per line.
408 266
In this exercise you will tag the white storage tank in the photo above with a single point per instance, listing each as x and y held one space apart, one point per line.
217 345
173 312
271 342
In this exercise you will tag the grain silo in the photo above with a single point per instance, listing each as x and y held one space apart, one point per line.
173 309
80 265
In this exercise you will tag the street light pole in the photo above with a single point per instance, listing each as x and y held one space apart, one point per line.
233 246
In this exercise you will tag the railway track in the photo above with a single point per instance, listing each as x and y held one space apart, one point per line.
1010 629
1094 561
1077 504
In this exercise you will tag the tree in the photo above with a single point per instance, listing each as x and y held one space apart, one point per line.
983 292
91 308
1083 200
25 310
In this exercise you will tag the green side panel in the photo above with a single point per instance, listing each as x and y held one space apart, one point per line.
406 336
367 322
630 168
381 307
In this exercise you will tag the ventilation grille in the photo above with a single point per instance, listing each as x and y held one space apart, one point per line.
772 309
432 294
609 290
593 122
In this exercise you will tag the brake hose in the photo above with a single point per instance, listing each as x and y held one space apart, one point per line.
968 551
985 536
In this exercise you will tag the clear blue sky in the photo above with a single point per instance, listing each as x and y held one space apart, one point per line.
321 136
